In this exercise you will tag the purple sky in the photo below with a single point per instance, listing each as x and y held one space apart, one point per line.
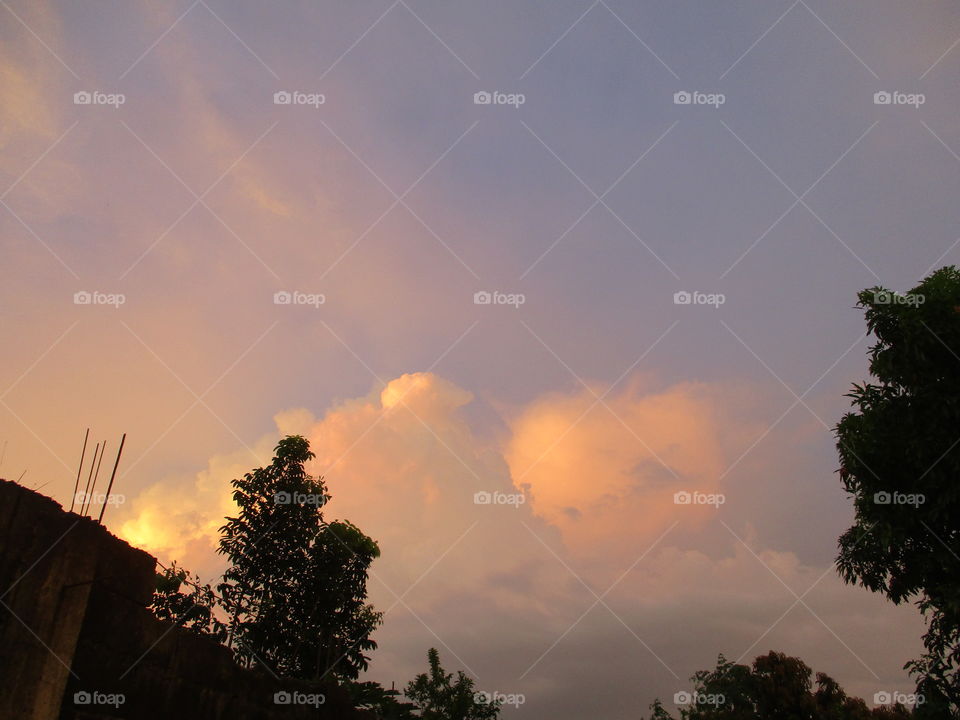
394 201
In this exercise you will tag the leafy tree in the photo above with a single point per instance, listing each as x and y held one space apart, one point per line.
900 458
296 585
336 619
782 687
776 686
658 712
194 610
439 697
383 703
734 683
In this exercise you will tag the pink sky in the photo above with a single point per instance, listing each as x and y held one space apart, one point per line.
397 199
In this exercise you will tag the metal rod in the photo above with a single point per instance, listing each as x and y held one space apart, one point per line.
86 490
96 473
112 476
86 498
76 485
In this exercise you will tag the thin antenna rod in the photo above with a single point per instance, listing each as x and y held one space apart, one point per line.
76 485
96 473
86 490
112 476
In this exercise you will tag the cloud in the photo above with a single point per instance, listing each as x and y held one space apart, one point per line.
400 458
606 472
28 112
178 518
510 592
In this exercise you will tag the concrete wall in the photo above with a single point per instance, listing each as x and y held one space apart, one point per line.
73 619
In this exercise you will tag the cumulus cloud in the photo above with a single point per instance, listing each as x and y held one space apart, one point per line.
179 517
402 463
510 591
605 473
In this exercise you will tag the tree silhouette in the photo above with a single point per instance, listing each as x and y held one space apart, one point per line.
296 586
383 703
900 458
439 697
775 687
194 610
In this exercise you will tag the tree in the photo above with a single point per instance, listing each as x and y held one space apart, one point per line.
658 713
194 610
733 683
782 687
438 697
383 703
296 585
336 620
775 687
900 458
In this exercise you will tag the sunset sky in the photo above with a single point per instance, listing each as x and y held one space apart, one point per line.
183 198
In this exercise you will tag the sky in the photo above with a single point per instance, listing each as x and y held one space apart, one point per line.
193 261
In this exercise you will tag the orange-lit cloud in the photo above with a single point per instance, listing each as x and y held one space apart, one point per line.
404 462
606 472
28 110
402 457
